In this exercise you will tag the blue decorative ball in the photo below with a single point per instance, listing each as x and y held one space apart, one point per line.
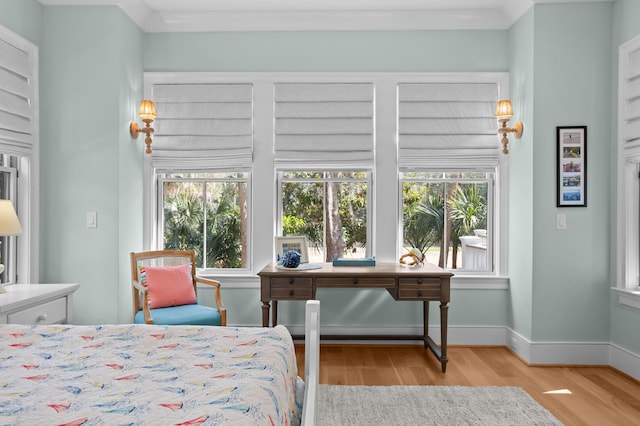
291 259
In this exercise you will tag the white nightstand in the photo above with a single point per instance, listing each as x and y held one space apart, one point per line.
37 303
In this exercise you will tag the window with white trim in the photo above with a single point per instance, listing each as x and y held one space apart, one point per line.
202 161
448 164
19 150
628 232
324 153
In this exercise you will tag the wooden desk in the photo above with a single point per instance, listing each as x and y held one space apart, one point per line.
426 283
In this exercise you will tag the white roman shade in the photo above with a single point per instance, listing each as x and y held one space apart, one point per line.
324 124
630 91
442 123
17 109
203 126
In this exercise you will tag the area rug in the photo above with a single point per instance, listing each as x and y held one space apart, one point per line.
429 405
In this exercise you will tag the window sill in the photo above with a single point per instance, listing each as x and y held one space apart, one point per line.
628 297
479 282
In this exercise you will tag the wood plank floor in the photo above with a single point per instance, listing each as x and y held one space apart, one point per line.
598 395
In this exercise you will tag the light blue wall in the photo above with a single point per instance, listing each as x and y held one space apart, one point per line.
572 86
425 51
327 51
23 17
521 231
624 320
90 85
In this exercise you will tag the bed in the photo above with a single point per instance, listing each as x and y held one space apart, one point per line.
156 375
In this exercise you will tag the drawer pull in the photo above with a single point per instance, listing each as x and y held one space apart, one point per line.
41 318
419 294
419 280
290 292
355 281
291 280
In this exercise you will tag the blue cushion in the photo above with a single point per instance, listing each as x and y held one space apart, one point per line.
183 315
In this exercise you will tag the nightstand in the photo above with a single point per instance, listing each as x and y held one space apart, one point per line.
37 303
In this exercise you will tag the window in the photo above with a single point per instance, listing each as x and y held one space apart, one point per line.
19 153
447 216
330 208
207 212
8 191
628 232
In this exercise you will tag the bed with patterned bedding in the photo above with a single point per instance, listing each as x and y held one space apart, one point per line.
148 375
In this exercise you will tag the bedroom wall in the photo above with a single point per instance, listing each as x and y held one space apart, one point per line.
625 332
90 86
405 51
572 75
23 17
521 231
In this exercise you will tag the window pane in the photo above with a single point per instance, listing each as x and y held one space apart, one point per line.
330 209
207 213
445 216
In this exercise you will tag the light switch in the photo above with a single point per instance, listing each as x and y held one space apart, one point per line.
561 221
92 220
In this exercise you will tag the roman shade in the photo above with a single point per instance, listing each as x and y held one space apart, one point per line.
440 123
203 126
324 124
631 98
17 107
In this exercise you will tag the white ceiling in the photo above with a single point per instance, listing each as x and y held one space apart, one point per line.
306 15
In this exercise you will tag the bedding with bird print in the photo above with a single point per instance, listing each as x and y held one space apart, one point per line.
147 375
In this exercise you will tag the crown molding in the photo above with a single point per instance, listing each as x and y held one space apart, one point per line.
498 15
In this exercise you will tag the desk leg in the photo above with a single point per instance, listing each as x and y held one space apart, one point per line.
265 314
274 318
444 324
425 322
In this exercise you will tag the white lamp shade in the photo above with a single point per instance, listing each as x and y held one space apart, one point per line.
9 223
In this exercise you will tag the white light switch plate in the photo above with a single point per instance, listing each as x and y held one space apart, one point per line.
561 221
92 220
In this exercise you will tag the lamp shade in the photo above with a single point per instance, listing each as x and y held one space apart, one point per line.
147 110
504 109
9 223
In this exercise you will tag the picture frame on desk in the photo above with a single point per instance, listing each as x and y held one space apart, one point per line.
297 243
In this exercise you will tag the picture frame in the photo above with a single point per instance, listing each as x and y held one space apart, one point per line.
571 166
296 243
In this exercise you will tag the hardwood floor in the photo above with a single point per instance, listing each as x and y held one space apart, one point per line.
596 395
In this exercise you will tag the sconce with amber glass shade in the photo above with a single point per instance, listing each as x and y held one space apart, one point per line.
147 113
504 112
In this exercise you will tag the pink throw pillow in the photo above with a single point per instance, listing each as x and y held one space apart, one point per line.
170 286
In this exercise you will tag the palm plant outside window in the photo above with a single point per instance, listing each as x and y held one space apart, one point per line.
447 216
207 212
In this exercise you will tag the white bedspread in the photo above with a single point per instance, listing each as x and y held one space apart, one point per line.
147 375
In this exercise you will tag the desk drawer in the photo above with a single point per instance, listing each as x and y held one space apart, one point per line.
364 282
419 289
48 313
291 288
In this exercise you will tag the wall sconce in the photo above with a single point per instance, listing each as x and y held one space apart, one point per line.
147 113
504 111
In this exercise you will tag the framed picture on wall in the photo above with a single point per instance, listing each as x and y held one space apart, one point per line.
572 166
292 243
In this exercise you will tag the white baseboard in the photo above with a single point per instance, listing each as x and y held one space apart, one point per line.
533 353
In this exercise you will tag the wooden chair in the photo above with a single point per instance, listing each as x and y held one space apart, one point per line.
188 314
